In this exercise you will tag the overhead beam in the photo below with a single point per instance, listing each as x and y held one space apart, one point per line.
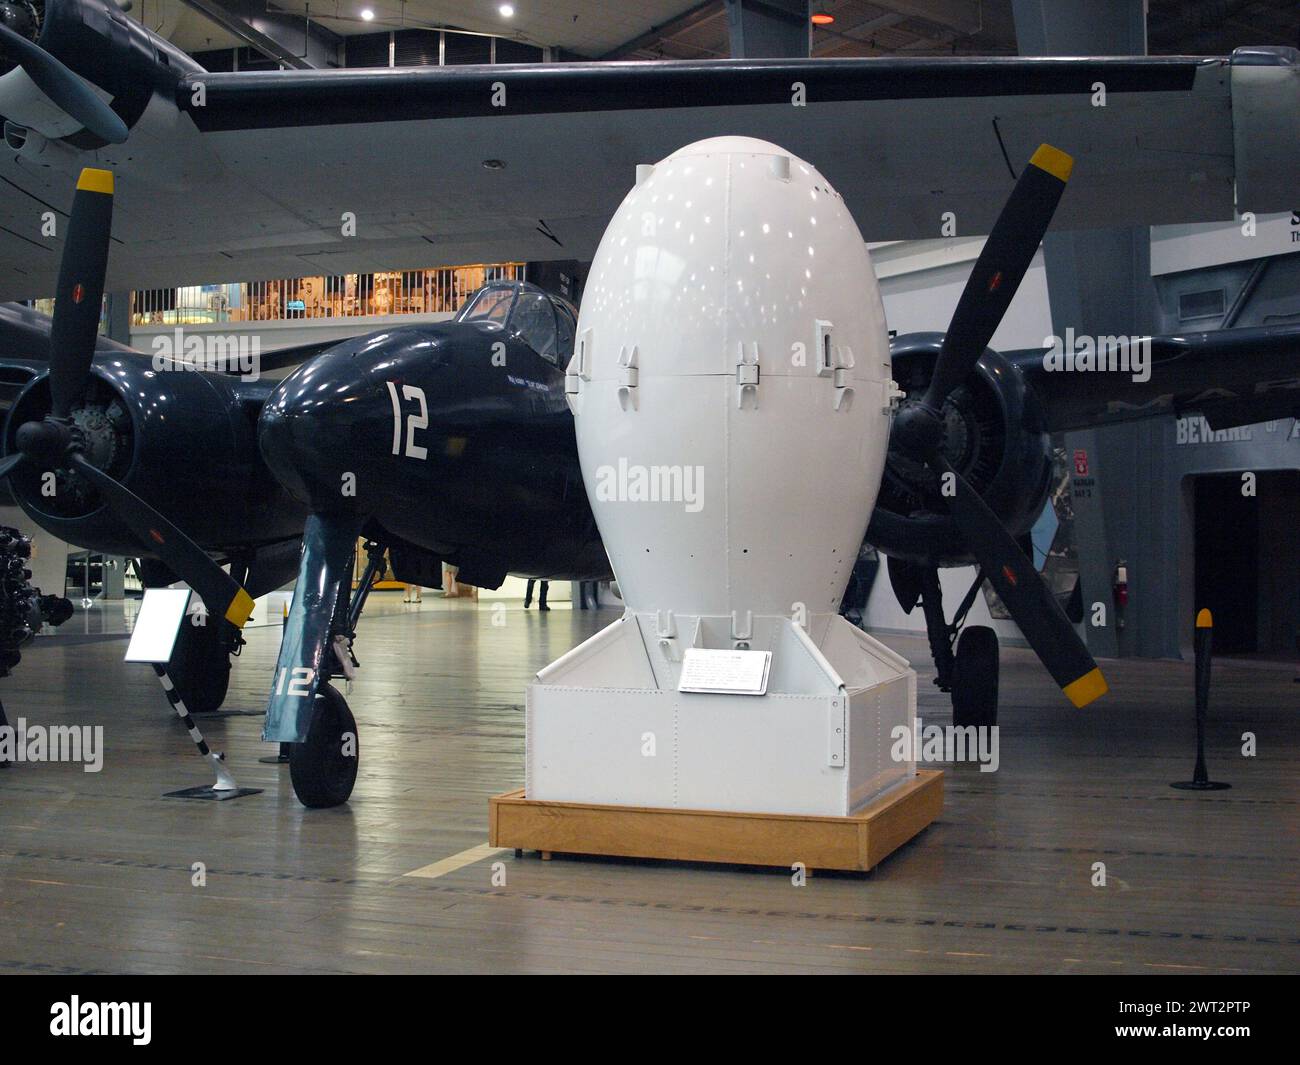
858 34
249 34
687 20
964 16
768 29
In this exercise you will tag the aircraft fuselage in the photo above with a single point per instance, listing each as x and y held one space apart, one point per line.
454 437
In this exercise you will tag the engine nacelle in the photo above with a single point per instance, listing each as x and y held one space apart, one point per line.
181 440
99 41
997 440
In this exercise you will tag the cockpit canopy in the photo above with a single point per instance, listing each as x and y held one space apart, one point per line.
544 322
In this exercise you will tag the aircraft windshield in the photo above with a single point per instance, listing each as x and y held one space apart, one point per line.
534 320
490 305
545 323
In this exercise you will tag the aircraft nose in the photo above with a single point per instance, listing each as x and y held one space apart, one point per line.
305 434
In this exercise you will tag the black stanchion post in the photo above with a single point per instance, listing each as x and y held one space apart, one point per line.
1204 639
282 758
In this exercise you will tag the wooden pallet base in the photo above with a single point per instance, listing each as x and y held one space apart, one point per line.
855 843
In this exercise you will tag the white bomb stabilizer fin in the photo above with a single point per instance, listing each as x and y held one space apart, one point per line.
731 391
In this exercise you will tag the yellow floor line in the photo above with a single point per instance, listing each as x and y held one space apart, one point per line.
457 861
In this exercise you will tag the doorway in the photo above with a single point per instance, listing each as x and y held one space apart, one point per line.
1247 560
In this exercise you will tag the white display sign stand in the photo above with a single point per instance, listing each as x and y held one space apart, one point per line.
153 639
157 625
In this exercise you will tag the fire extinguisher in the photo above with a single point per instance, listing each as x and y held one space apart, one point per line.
1120 592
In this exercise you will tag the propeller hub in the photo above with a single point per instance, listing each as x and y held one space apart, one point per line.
919 429
19 17
46 442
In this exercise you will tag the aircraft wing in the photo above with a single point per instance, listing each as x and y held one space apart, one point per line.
302 173
25 347
25 335
1230 376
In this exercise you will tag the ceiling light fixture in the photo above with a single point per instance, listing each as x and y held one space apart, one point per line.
506 10
366 14
822 18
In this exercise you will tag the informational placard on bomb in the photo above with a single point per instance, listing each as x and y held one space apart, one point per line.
720 672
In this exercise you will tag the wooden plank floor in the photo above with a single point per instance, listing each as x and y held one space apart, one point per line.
95 869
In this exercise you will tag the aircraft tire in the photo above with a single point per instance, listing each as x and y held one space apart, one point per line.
322 770
200 667
975 678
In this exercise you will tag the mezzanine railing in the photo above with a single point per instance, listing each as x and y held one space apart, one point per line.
441 289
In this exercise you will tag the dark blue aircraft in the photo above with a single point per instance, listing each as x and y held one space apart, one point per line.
443 442
438 443
453 443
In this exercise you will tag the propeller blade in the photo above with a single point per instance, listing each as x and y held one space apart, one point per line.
10 462
1000 268
328 544
905 580
69 93
220 592
1026 595
80 290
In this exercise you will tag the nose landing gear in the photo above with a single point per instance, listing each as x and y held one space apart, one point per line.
970 673
975 678
324 768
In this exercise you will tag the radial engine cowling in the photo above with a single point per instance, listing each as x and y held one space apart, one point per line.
995 438
181 440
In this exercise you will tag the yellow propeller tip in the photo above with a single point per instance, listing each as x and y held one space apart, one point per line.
240 609
1054 161
1204 620
93 180
1090 686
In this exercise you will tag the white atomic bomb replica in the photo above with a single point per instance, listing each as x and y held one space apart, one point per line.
732 396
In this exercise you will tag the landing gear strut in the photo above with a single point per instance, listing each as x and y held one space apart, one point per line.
324 768
200 664
971 673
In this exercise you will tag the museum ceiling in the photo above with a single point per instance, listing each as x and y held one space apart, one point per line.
681 29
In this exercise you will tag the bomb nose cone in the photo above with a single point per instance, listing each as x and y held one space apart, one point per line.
729 145
731 393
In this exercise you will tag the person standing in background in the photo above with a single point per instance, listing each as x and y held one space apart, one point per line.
541 599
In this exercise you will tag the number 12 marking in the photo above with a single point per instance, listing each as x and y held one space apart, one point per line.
413 421
299 682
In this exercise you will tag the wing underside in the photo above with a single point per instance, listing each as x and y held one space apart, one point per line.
1230 376
257 175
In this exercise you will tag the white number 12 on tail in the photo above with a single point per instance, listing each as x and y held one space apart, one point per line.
413 421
